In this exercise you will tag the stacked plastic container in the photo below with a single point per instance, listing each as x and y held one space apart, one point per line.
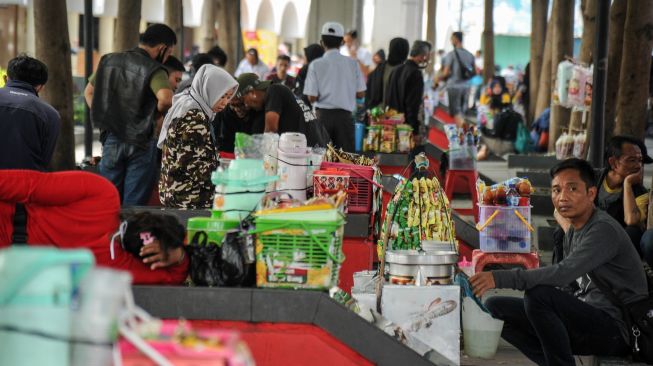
505 218
462 147
293 164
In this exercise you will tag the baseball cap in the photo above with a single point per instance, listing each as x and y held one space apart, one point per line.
333 29
250 81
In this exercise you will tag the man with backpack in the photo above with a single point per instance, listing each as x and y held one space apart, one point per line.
458 68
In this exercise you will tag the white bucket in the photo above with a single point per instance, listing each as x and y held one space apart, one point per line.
102 297
481 332
292 170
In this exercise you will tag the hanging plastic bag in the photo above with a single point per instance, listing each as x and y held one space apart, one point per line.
564 146
561 91
230 264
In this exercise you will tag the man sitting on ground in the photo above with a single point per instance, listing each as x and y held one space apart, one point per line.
555 321
620 188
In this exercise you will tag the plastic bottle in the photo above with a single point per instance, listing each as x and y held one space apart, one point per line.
512 196
469 138
500 196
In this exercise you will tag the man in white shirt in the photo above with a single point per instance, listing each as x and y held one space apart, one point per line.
333 83
352 49
251 63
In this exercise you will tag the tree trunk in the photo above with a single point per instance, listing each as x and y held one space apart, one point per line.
635 68
172 16
229 31
538 35
51 21
488 42
431 8
588 9
563 46
615 51
127 25
544 90
208 26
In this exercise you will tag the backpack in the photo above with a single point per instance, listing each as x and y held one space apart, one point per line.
466 72
523 142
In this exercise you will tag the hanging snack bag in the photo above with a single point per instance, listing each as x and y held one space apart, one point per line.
404 138
577 86
373 138
564 146
580 140
563 76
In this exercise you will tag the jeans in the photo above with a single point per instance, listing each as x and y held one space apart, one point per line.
130 168
550 326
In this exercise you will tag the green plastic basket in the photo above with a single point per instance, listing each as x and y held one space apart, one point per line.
297 254
214 228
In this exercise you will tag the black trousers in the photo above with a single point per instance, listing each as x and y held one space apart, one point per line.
550 326
339 123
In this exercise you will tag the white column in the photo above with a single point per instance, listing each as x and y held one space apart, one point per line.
106 29
31 39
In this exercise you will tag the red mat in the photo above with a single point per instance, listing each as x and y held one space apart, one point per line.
289 344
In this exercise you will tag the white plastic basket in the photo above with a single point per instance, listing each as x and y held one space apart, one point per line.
505 229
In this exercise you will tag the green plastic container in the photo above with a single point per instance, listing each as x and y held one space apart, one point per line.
298 254
240 188
214 228
37 287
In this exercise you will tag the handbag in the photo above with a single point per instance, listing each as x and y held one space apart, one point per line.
230 263
638 317
466 73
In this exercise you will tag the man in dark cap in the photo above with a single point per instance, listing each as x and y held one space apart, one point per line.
125 105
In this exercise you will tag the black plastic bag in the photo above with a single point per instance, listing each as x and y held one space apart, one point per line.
225 265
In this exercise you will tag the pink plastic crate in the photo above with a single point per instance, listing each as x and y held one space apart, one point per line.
360 184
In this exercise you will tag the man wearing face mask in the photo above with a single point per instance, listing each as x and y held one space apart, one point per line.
406 87
125 106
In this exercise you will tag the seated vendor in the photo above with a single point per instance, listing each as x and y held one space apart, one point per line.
499 122
75 209
621 191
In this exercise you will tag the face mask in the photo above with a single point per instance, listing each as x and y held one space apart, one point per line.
423 64
160 57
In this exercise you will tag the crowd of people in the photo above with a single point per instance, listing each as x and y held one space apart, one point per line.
161 129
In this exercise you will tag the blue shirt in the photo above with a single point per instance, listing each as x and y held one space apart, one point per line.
334 79
29 126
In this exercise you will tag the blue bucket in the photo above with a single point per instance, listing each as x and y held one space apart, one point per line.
359 134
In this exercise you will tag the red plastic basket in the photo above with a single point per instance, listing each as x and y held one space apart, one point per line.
360 185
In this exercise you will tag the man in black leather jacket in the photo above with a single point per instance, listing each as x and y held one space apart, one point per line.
126 94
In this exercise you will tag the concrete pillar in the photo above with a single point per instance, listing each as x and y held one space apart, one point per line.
31 39
73 36
106 29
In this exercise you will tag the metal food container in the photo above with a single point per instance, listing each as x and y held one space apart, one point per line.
421 267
